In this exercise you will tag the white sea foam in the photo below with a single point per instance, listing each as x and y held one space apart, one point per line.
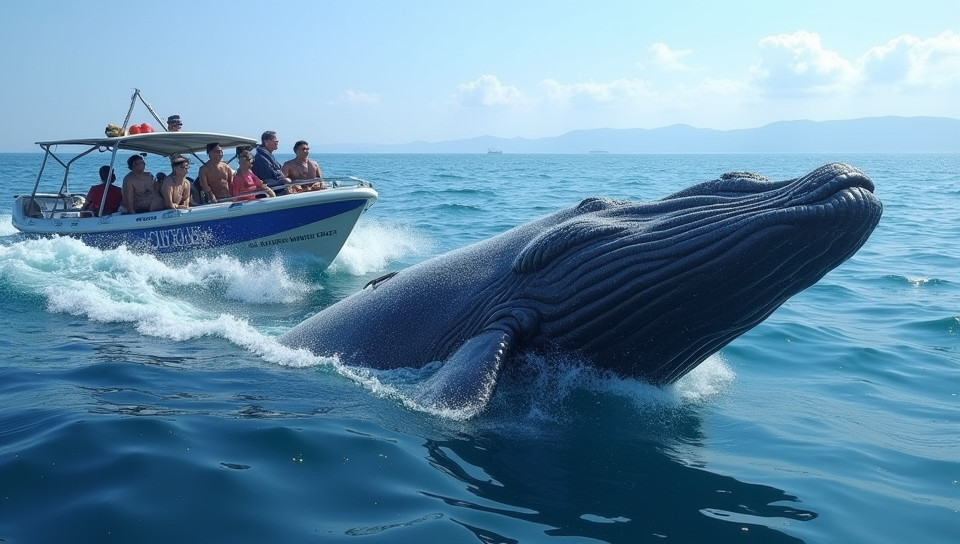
185 298
6 225
709 379
159 298
555 379
374 244
545 388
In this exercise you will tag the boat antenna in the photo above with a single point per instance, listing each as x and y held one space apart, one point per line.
150 109
133 101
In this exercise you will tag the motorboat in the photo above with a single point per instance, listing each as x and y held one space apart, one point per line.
315 222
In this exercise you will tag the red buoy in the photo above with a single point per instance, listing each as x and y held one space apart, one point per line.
145 128
134 129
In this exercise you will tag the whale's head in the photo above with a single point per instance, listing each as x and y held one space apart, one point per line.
651 289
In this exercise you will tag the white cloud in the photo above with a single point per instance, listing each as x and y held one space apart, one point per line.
353 97
889 63
669 59
797 77
619 90
908 61
799 64
487 90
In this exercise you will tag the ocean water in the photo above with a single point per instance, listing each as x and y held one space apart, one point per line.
145 400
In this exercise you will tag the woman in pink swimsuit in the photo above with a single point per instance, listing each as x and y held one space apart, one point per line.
245 181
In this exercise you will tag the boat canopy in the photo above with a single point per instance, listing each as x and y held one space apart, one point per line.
160 143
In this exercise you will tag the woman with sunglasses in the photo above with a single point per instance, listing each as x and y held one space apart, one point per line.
246 182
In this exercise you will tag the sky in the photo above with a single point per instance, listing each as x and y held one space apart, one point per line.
390 72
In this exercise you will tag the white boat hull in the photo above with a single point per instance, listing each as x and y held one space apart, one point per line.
316 223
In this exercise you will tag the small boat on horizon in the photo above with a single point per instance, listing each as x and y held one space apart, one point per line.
494 151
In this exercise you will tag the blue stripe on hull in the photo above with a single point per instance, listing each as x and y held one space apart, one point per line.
220 232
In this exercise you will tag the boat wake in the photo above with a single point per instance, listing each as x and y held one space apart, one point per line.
183 298
251 303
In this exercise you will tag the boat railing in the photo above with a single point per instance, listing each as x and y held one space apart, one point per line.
51 206
69 206
338 182
244 197
34 208
334 182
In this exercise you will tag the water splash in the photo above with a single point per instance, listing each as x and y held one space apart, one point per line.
374 244
190 298
187 298
549 388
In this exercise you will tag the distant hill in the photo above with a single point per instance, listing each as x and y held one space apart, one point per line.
869 135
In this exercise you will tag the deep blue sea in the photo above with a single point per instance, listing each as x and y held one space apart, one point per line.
144 400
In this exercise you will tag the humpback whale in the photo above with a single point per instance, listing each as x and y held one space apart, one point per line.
643 289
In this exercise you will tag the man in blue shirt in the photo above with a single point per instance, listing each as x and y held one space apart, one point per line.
266 167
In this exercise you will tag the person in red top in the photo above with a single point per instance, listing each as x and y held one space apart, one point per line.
95 194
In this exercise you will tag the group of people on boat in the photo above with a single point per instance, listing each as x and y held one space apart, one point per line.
140 192
257 176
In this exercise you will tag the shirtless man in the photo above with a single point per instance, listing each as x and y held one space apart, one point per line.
302 167
175 189
139 190
215 175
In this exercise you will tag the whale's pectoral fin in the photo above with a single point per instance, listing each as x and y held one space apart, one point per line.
468 377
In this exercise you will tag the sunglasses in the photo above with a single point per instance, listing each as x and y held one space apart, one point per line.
182 165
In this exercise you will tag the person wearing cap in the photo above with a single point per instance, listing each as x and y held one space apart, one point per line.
175 189
267 167
174 124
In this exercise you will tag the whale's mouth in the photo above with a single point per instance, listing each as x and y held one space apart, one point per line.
836 196
860 180
847 197
850 182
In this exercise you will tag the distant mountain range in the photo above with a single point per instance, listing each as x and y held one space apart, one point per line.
869 135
